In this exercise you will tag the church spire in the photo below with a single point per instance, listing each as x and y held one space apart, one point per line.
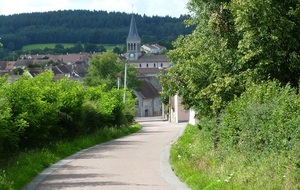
133 32
133 41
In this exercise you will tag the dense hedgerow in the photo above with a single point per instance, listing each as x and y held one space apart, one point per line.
37 111
265 119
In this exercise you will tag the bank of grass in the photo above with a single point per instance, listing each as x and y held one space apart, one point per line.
201 167
21 169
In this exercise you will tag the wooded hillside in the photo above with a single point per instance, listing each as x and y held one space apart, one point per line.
98 27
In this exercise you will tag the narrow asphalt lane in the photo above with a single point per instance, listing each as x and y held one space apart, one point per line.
135 162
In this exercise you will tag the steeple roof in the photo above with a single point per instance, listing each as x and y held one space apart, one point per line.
133 32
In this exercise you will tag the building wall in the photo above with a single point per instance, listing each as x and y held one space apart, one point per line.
152 65
148 107
178 113
193 120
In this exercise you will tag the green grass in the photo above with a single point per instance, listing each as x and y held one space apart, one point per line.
66 45
22 168
43 46
197 164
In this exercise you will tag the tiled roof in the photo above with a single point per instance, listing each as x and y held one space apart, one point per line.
23 63
148 90
151 59
63 69
145 71
3 65
10 65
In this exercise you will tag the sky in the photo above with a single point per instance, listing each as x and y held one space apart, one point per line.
172 8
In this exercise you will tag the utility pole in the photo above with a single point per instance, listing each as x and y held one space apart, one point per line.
125 81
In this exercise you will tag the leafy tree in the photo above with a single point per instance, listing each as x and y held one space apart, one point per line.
90 47
101 48
18 71
234 43
59 48
203 75
270 39
105 69
117 50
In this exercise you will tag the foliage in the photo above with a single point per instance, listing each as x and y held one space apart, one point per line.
107 68
264 119
18 71
269 43
234 43
39 111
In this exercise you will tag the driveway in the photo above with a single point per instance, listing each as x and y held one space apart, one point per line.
135 162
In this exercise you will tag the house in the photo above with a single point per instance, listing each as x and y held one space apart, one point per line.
148 102
177 112
10 66
151 61
23 64
153 48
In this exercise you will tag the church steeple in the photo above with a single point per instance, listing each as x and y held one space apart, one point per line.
133 41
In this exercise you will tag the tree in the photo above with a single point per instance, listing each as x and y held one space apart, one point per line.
234 43
270 39
105 69
117 50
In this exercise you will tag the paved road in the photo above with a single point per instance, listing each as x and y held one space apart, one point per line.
135 162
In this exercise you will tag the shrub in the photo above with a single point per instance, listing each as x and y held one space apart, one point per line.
264 119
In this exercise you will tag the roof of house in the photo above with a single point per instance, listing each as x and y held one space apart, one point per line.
145 71
154 46
151 59
10 65
148 90
21 63
63 69
3 65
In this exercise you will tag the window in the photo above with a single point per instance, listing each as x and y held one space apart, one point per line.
154 65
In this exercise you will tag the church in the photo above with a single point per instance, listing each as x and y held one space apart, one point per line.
149 60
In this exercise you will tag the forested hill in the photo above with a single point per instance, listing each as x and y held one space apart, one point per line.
98 27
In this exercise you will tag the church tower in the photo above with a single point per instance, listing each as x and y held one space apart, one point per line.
133 42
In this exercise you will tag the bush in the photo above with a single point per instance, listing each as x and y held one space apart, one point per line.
35 112
264 119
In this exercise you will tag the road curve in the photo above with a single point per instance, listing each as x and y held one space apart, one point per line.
135 162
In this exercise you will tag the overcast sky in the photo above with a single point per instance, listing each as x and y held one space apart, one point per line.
172 8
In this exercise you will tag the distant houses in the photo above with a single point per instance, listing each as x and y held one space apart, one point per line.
73 66
153 48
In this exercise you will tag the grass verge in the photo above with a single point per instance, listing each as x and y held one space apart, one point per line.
21 169
197 164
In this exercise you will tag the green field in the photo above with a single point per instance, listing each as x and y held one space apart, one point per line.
66 45
43 46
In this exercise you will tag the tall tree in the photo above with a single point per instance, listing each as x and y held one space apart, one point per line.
234 42
105 69
270 39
